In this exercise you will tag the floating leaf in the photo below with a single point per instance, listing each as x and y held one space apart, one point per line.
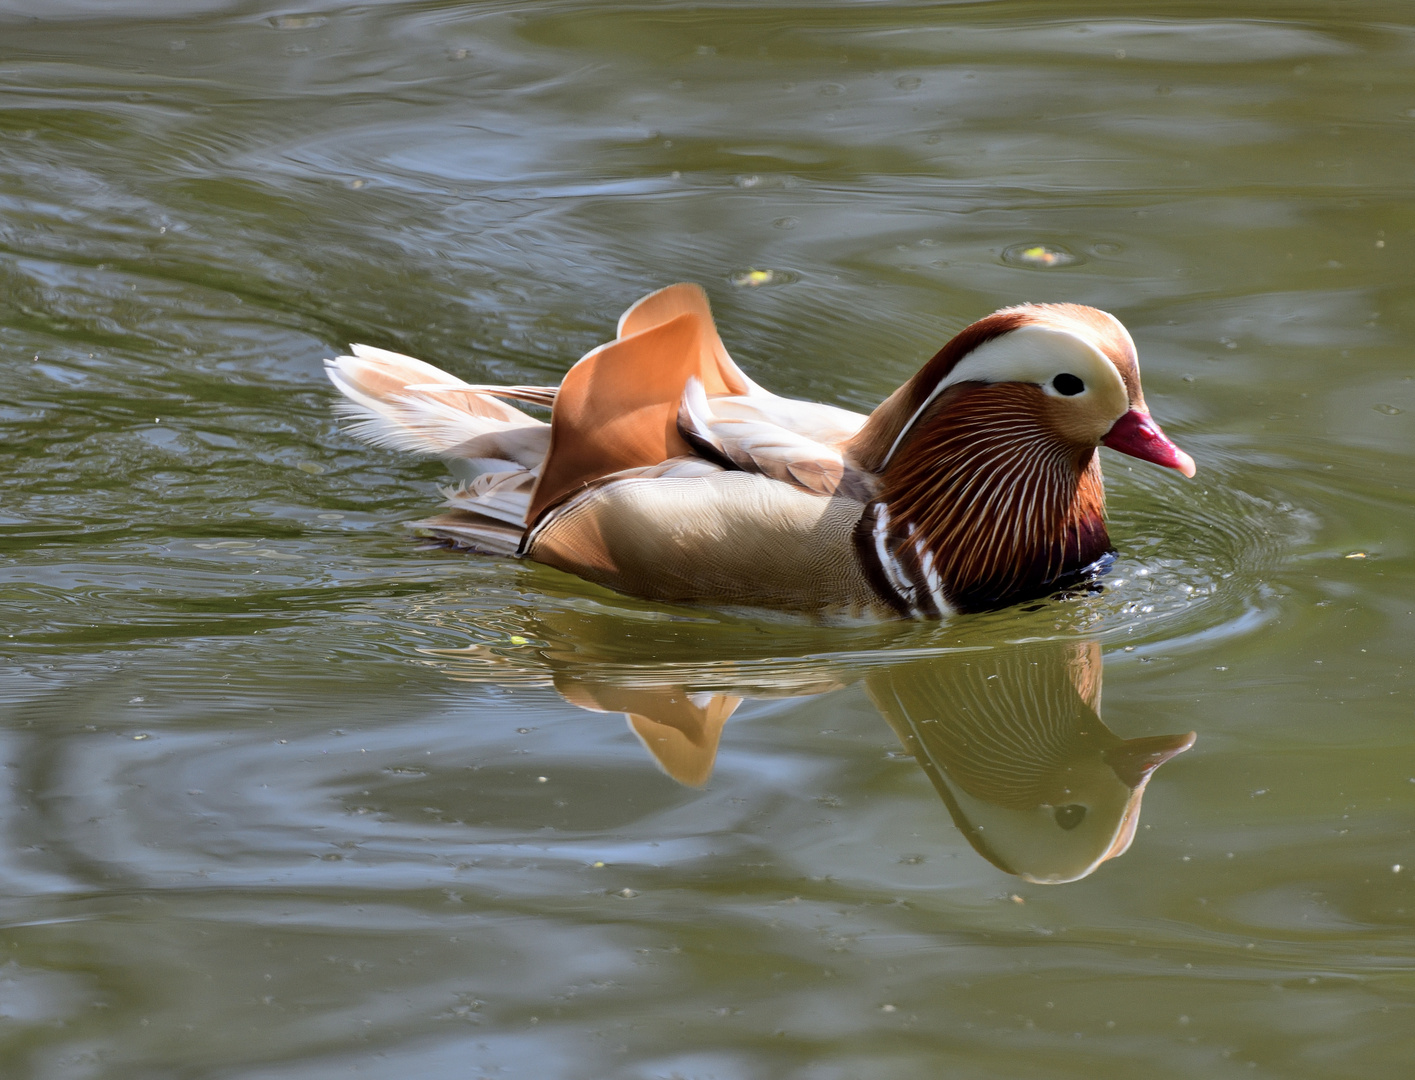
1040 256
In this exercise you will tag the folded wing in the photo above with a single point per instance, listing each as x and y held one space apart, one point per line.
663 394
666 387
796 442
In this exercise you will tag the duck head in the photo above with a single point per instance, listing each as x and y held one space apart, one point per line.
990 487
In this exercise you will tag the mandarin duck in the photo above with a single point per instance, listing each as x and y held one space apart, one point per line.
666 473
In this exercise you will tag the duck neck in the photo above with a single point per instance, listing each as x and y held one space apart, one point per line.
976 513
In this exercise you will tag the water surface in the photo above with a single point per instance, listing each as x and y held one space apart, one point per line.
291 798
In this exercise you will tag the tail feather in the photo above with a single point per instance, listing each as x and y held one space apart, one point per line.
544 396
504 496
405 404
473 532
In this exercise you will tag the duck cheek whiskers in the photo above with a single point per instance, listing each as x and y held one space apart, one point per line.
977 514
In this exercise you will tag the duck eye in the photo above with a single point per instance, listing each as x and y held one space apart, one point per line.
1067 385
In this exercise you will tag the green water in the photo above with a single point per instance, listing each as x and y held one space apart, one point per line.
288 798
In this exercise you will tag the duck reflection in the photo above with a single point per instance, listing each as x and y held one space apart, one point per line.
1013 741
1010 736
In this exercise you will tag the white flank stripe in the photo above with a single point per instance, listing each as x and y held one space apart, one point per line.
892 570
926 560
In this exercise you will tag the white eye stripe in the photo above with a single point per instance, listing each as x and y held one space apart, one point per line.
1036 354
1031 354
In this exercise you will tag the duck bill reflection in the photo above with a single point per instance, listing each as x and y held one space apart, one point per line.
1013 741
1134 762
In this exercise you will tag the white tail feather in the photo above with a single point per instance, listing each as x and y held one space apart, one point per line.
405 404
504 496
